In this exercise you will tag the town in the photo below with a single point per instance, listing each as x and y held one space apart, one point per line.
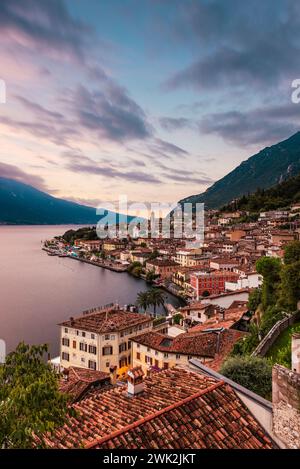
226 321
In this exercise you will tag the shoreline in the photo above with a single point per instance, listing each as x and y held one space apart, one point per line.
119 270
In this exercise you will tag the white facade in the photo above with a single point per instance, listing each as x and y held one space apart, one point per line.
252 280
225 300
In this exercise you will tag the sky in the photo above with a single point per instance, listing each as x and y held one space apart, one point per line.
152 99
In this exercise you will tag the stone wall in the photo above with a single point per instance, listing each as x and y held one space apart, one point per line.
286 406
267 342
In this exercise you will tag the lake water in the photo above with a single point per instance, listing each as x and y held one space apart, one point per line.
38 291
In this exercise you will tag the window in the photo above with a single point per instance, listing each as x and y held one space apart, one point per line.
82 359
77 332
65 342
166 355
83 347
138 345
112 337
122 347
65 356
138 355
83 334
92 364
74 343
107 351
66 330
148 360
156 363
178 356
107 337
107 364
129 345
156 352
148 349
92 349
92 336
166 366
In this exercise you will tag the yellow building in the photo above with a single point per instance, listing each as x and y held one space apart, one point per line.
188 257
153 349
112 245
101 338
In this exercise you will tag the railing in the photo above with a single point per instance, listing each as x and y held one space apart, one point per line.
99 308
266 343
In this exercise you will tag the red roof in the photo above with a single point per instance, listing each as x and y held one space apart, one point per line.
178 409
78 381
106 321
202 344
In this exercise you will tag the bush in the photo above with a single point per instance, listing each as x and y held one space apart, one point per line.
254 373
248 343
269 318
177 318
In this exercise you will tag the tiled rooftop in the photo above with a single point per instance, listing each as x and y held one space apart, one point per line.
202 344
112 320
78 381
177 409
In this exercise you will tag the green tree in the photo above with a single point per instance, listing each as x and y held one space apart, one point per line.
154 254
177 318
270 316
133 266
269 268
156 298
253 373
30 402
248 343
292 252
142 300
290 286
151 275
254 299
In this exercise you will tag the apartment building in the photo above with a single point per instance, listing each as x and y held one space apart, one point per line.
187 257
153 349
162 267
207 283
100 338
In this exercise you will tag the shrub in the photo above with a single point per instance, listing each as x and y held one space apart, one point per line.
253 373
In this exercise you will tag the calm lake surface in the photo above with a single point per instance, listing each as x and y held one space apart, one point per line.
38 291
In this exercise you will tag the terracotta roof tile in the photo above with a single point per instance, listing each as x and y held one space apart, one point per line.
102 321
178 409
77 382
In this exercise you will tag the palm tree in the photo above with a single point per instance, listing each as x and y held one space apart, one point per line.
156 298
142 300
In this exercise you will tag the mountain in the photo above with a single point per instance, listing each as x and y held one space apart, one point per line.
22 204
270 166
279 196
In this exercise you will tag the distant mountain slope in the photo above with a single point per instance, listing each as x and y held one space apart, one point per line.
268 167
23 204
279 196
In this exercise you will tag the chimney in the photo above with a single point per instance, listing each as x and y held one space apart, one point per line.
72 320
66 374
135 381
113 374
296 352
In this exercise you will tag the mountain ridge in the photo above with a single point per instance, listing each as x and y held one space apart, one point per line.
22 204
